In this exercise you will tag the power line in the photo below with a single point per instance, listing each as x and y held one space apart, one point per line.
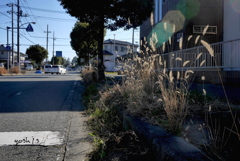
42 45
5 15
27 39
52 18
34 17
45 10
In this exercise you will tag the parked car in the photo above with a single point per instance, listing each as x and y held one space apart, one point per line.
1 65
29 67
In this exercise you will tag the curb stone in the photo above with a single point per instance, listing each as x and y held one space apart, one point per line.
164 145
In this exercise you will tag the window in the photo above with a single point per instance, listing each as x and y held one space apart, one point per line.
179 36
105 47
116 48
122 49
198 29
2 53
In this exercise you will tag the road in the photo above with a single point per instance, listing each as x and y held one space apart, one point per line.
37 112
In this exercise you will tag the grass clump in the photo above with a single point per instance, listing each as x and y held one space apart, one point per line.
153 89
3 71
14 70
90 75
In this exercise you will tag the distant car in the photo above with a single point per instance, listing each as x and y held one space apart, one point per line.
29 67
47 68
58 69
1 65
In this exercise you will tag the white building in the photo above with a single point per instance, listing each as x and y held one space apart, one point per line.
4 57
116 48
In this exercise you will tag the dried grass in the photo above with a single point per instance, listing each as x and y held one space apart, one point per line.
90 75
14 70
3 71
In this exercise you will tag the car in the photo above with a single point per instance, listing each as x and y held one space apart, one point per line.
47 68
1 65
58 69
29 67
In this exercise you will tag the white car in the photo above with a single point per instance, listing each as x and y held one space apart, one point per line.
47 68
1 65
58 69
29 67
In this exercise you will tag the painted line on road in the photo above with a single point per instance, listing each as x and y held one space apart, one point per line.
43 138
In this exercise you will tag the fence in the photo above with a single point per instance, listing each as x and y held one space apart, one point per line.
226 56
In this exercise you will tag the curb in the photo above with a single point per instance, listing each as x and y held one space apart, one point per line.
164 145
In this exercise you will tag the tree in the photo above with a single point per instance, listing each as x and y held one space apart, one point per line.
37 53
111 14
67 62
57 60
84 40
74 60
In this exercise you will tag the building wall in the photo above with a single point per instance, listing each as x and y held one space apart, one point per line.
122 50
231 21
194 12
3 55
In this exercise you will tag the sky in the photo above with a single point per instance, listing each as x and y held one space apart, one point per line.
47 13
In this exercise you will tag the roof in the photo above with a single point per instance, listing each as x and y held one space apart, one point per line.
111 41
2 48
105 52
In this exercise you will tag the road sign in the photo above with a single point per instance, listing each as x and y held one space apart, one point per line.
58 53
8 47
29 28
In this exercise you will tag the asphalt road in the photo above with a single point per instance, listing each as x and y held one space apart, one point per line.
38 103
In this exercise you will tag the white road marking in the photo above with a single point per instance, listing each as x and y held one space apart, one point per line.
43 138
18 93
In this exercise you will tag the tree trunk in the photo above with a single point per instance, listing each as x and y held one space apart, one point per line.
101 66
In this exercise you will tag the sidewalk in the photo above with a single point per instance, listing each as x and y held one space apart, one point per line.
79 140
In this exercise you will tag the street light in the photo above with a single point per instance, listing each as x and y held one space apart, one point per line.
18 60
18 39
25 24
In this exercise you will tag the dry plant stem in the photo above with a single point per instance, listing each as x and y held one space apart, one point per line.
225 94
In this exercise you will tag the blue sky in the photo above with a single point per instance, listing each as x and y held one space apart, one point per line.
51 13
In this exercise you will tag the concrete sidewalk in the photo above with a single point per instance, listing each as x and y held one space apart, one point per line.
79 140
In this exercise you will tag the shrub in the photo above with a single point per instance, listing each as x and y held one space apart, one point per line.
90 75
14 70
3 71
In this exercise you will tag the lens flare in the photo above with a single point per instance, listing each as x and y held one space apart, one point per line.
171 23
189 8
235 5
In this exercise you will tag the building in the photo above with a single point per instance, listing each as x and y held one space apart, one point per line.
7 54
176 20
114 49
183 18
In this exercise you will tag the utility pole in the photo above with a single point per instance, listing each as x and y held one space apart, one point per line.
12 39
47 39
53 47
133 41
11 12
8 61
19 14
114 51
18 34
